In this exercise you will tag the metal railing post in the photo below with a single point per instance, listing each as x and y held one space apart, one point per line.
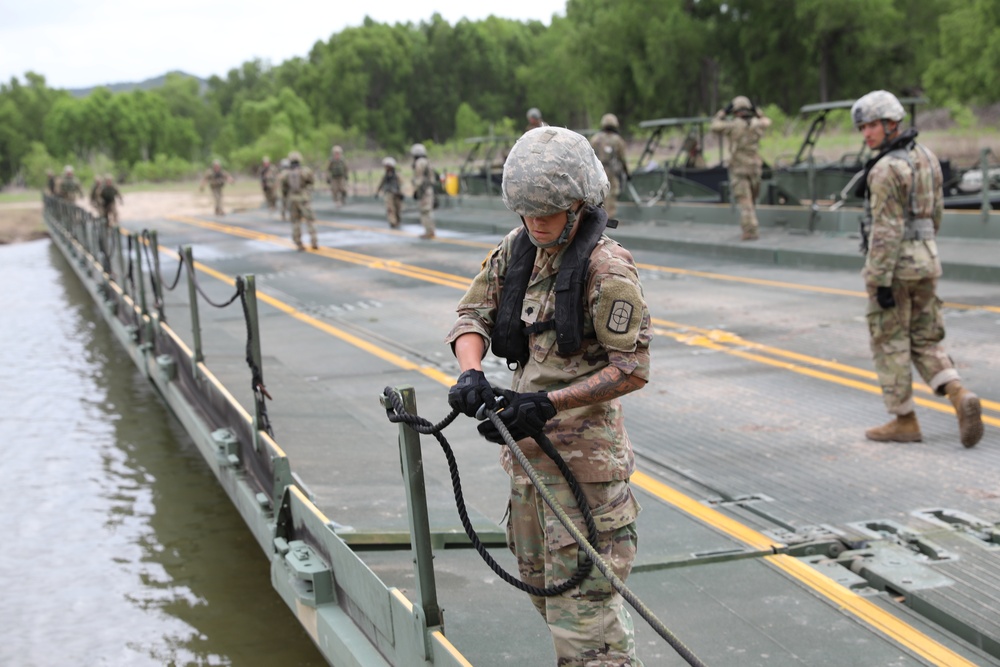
139 280
198 355
254 327
416 510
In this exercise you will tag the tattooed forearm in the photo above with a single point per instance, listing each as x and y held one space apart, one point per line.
603 386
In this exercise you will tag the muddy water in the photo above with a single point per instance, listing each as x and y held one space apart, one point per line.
119 547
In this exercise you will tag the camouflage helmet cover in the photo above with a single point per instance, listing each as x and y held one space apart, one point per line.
295 156
550 168
877 105
534 114
741 103
68 169
336 149
609 120
389 162
266 159
418 150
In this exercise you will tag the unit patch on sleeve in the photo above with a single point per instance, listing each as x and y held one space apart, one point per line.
620 316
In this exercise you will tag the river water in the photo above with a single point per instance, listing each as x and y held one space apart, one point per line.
119 547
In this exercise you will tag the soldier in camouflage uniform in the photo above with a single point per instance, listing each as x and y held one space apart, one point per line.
95 196
744 130
69 188
554 181
110 197
216 177
282 168
903 206
534 119
50 182
423 189
269 183
392 191
610 149
338 172
296 188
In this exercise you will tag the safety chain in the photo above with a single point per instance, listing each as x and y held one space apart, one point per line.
594 558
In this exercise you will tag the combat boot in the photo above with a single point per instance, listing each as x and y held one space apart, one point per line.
749 236
969 411
904 428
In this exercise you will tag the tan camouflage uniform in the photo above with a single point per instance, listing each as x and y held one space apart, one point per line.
216 179
423 192
911 332
392 192
337 170
610 149
745 164
296 188
269 184
109 197
69 188
590 625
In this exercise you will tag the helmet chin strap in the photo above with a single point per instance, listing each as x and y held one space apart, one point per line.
563 237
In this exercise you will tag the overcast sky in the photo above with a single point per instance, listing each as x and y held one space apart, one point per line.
81 44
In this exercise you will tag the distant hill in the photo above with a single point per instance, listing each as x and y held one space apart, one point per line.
148 84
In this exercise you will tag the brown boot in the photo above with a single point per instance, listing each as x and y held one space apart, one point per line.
969 411
904 428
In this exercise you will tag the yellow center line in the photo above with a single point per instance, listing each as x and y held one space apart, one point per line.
874 616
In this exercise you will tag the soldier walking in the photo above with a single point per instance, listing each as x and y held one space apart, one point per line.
610 149
69 188
269 183
904 202
296 187
338 172
217 178
744 125
392 192
110 197
423 189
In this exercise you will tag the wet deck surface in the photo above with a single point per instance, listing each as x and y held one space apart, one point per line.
762 388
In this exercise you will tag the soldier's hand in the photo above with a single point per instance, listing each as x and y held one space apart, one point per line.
524 415
884 297
729 108
416 197
471 392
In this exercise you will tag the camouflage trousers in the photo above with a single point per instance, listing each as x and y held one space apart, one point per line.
110 211
908 335
217 197
590 626
271 197
338 189
301 209
393 208
611 201
745 188
426 207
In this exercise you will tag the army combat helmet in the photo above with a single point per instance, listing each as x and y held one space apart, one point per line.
389 162
609 121
418 150
548 170
741 103
294 157
877 105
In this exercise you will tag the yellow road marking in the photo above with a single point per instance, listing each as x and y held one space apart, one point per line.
877 618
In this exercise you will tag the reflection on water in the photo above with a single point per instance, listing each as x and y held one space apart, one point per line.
120 547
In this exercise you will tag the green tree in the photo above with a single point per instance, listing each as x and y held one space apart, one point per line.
968 67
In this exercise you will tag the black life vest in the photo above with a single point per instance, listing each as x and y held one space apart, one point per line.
510 335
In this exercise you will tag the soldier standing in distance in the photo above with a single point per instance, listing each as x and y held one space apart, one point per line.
392 191
569 375
296 187
283 167
110 197
216 177
534 119
69 188
423 188
904 202
269 183
338 172
95 196
50 182
610 149
744 131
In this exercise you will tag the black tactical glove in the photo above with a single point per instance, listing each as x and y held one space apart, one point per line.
471 392
884 297
416 196
729 109
523 414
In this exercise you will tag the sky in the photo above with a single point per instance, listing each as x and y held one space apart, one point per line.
83 44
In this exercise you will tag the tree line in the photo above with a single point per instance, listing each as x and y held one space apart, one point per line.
380 87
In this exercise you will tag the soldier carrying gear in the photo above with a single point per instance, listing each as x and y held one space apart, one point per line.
217 178
296 187
68 187
110 198
610 149
744 132
554 181
423 189
901 271
392 192
534 119
283 166
269 183
337 173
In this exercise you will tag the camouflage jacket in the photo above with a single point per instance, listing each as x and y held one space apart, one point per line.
616 332
336 168
296 183
69 188
744 136
216 179
423 176
903 184
389 183
268 176
610 150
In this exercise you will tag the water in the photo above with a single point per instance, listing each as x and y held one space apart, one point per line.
119 547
